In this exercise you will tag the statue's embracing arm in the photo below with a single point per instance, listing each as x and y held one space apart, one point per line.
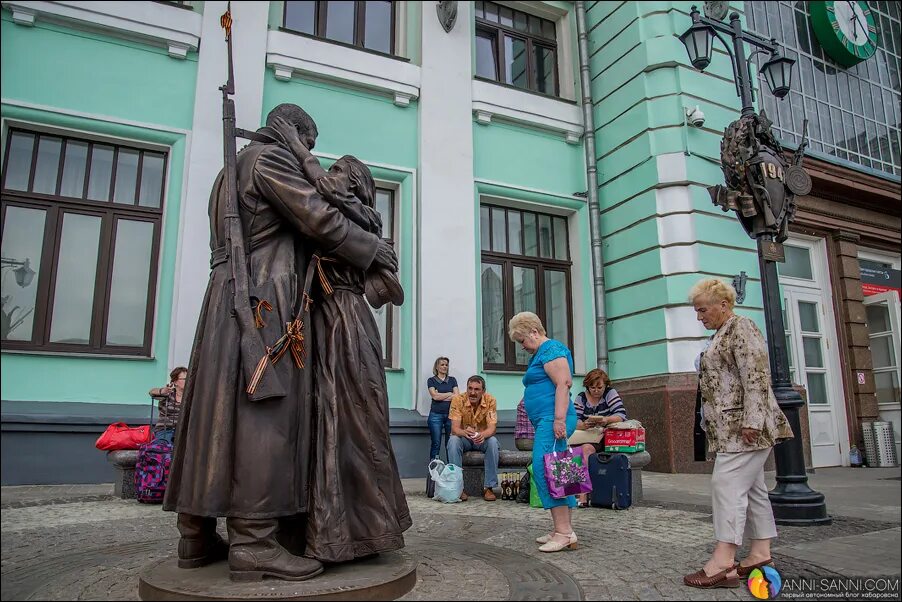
281 182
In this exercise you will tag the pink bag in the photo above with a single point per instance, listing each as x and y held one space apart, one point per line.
120 436
565 474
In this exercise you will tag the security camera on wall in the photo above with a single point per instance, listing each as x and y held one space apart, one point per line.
695 117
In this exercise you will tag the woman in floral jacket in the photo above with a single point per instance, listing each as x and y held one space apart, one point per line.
742 422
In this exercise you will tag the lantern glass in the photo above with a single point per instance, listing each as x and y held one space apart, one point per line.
778 74
698 41
24 274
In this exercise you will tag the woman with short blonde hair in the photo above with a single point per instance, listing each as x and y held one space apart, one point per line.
713 289
546 398
524 323
742 422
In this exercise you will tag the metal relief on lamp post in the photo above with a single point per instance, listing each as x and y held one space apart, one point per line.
717 10
761 189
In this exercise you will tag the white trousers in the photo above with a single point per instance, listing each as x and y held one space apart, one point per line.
739 499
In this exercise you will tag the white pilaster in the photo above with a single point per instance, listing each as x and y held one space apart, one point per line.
249 29
447 262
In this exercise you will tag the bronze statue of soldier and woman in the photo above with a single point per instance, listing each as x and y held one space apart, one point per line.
285 426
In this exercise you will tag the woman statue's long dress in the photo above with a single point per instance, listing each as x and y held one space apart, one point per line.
357 503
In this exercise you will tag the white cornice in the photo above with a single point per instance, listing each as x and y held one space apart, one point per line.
492 101
177 30
289 53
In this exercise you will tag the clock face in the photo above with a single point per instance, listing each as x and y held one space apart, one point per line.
846 30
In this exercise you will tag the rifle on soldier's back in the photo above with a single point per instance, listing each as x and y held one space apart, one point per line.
266 384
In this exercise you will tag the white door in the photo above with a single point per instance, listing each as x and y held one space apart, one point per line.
812 346
811 366
883 329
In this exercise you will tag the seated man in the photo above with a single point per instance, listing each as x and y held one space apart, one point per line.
474 418
524 432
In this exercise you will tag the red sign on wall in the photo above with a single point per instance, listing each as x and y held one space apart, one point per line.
876 280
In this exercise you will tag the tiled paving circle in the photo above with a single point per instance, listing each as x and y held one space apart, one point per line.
92 559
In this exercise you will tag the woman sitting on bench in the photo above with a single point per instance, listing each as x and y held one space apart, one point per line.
598 405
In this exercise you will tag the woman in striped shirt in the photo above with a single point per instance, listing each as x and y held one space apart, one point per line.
598 405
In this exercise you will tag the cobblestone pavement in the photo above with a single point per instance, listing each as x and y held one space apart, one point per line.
93 548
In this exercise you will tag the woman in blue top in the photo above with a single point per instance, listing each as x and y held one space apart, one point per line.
548 405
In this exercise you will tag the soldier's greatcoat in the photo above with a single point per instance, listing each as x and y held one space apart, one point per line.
736 391
234 457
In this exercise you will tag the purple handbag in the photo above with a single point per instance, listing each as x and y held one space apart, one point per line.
565 474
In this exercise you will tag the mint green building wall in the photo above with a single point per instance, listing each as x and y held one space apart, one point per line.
537 167
372 128
94 83
641 82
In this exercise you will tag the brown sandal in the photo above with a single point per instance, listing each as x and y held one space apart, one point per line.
745 571
701 580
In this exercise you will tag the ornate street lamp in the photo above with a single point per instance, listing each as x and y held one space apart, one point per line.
777 72
698 40
761 189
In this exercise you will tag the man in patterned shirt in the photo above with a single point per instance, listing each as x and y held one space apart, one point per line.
474 419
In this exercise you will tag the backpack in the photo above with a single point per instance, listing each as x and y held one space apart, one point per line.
152 467
152 471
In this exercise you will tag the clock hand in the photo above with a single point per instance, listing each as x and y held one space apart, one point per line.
854 23
857 19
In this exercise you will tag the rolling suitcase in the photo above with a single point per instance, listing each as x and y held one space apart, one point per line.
612 481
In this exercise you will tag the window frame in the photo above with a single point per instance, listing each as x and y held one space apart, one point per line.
110 213
508 261
497 32
320 19
388 343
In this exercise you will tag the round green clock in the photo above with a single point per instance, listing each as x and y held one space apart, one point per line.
847 31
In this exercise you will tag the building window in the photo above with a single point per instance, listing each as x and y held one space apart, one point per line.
525 267
369 25
853 114
80 240
176 3
516 48
385 205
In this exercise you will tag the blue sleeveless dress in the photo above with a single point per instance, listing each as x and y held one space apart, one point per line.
538 399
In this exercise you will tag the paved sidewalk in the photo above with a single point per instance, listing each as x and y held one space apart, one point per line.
78 542
870 494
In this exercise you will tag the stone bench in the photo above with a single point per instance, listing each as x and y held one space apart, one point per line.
510 460
123 462
638 461
474 473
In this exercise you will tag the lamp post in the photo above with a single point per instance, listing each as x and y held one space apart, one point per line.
792 500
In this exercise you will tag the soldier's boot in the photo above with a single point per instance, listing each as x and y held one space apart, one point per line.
200 544
255 553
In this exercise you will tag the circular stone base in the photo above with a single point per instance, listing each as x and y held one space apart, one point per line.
384 577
